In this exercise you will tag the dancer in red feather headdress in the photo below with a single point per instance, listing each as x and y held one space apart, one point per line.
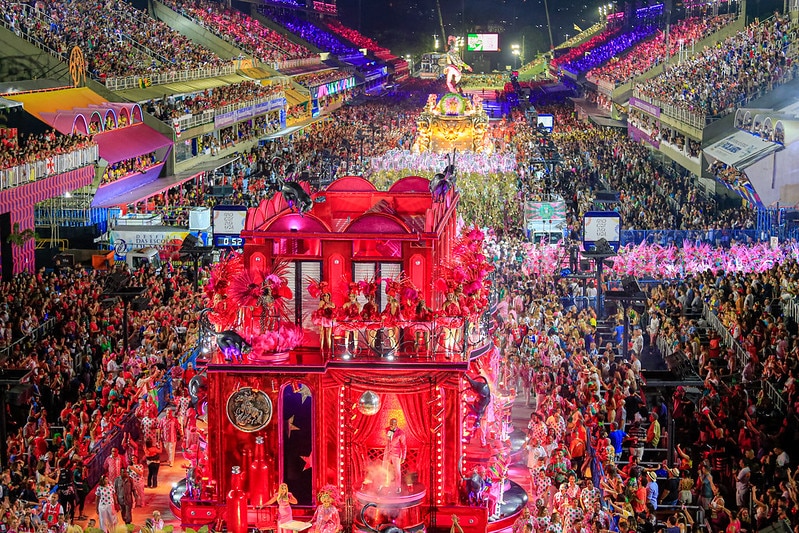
323 316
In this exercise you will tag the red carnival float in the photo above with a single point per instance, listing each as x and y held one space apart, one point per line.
353 367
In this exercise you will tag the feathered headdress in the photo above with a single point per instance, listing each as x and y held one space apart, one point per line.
369 287
330 490
392 287
318 288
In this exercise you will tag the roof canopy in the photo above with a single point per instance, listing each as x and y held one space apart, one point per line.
741 149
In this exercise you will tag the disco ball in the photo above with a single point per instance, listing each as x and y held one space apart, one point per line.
369 403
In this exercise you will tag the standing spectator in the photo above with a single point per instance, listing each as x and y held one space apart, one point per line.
123 488
706 487
169 434
152 455
106 506
51 510
113 465
81 490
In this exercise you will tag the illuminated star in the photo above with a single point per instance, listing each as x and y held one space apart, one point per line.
308 461
305 392
292 427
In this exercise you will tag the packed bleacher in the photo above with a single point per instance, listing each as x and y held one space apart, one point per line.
314 79
582 48
27 148
171 107
727 75
652 52
123 42
241 30
309 32
358 39
613 47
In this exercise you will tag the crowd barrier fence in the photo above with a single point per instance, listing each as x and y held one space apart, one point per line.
50 166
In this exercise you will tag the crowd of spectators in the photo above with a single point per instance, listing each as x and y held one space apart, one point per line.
83 382
27 148
171 107
117 39
729 74
314 79
650 53
128 167
580 50
613 47
308 31
241 30
651 196
357 38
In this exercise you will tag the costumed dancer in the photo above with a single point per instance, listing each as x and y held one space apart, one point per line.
350 317
454 66
370 315
323 316
422 317
284 500
325 518
391 314
394 455
452 321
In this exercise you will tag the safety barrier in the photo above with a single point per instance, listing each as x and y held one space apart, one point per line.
50 166
44 328
140 81
717 237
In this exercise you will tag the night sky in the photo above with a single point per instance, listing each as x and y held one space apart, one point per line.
408 26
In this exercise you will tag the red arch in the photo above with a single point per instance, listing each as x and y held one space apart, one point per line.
302 224
411 184
377 223
351 184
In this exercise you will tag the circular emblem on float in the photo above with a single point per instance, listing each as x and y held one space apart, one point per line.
546 211
249 409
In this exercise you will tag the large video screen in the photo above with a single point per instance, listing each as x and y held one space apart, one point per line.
482 42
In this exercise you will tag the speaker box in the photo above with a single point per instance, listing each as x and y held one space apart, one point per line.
222 190
190 241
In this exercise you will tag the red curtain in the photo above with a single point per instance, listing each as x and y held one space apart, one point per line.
419 427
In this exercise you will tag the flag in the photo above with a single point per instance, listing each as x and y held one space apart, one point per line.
576 27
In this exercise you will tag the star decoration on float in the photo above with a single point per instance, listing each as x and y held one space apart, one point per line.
292 427
305 392
308 461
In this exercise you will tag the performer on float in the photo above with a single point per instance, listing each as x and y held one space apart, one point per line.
349 317
370 314
422 317
454 66
394 455
284 500
452 321
323 316
325 518
391 314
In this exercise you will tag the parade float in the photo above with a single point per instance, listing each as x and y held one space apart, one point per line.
352 364
453 122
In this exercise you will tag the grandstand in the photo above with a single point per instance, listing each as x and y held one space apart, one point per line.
161 96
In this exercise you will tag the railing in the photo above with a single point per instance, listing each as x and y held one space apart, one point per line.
145 80
45 327
51 166
294 63
741 356
677 237
206 117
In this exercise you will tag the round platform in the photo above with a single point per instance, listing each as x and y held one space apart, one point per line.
391 499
